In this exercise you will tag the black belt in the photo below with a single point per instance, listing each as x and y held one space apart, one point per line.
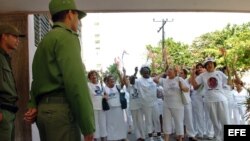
9 107
56 99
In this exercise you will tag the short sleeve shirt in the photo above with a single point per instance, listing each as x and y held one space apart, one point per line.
96 92
213 84
172 97
134 98
147 88
113 96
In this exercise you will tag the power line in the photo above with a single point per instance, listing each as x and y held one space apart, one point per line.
162 29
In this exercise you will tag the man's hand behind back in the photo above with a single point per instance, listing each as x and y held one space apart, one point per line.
89 137
1 117
30 115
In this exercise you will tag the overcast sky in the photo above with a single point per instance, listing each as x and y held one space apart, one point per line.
133 31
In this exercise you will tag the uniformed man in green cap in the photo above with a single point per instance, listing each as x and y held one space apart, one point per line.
60 100
9 40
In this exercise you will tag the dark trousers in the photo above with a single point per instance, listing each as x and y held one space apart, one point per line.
56 123
7 128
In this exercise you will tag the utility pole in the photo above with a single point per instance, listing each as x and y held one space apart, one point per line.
163 21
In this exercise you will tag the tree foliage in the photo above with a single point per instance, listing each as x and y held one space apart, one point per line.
175 53
229 46
112 70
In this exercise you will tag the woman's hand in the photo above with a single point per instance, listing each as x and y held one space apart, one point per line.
105 96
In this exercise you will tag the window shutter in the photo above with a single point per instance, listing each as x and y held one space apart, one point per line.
42 26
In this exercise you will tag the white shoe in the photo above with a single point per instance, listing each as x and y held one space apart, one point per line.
208 137
159 138
199 137
150 139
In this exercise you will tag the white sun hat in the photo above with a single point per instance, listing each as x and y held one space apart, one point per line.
208 59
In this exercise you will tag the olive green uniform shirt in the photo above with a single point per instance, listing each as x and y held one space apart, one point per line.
58 66
8 93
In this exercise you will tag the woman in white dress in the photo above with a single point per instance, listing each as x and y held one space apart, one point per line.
229 94
214 98
240 95
188 112
116 125
202 123
97 93
135 106
147 88
173 86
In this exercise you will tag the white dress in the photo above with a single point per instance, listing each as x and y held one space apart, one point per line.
232 104
96 91
173 106
116 125
135 106
215 101
188 114
147 89
240 110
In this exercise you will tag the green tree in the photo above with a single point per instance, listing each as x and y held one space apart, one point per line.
112 70
176 53
230 46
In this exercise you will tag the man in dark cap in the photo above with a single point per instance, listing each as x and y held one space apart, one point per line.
9 40
60 99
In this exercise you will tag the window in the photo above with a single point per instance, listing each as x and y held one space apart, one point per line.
42 26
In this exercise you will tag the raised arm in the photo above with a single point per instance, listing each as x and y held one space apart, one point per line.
192 79
182 86
136 70
124 80
156 79
237 78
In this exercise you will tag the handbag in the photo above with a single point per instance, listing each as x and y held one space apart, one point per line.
123 100
105 104
183 98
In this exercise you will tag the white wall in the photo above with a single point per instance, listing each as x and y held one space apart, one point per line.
32 49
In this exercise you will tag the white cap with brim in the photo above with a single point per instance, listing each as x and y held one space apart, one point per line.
209 59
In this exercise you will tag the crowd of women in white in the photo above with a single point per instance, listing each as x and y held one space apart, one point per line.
210 103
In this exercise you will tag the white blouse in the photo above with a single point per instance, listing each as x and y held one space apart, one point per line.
96 92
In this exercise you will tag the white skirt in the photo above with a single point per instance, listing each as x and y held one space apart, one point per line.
100 124
116 125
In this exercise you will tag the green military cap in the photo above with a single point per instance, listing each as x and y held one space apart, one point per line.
10 29
56 6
